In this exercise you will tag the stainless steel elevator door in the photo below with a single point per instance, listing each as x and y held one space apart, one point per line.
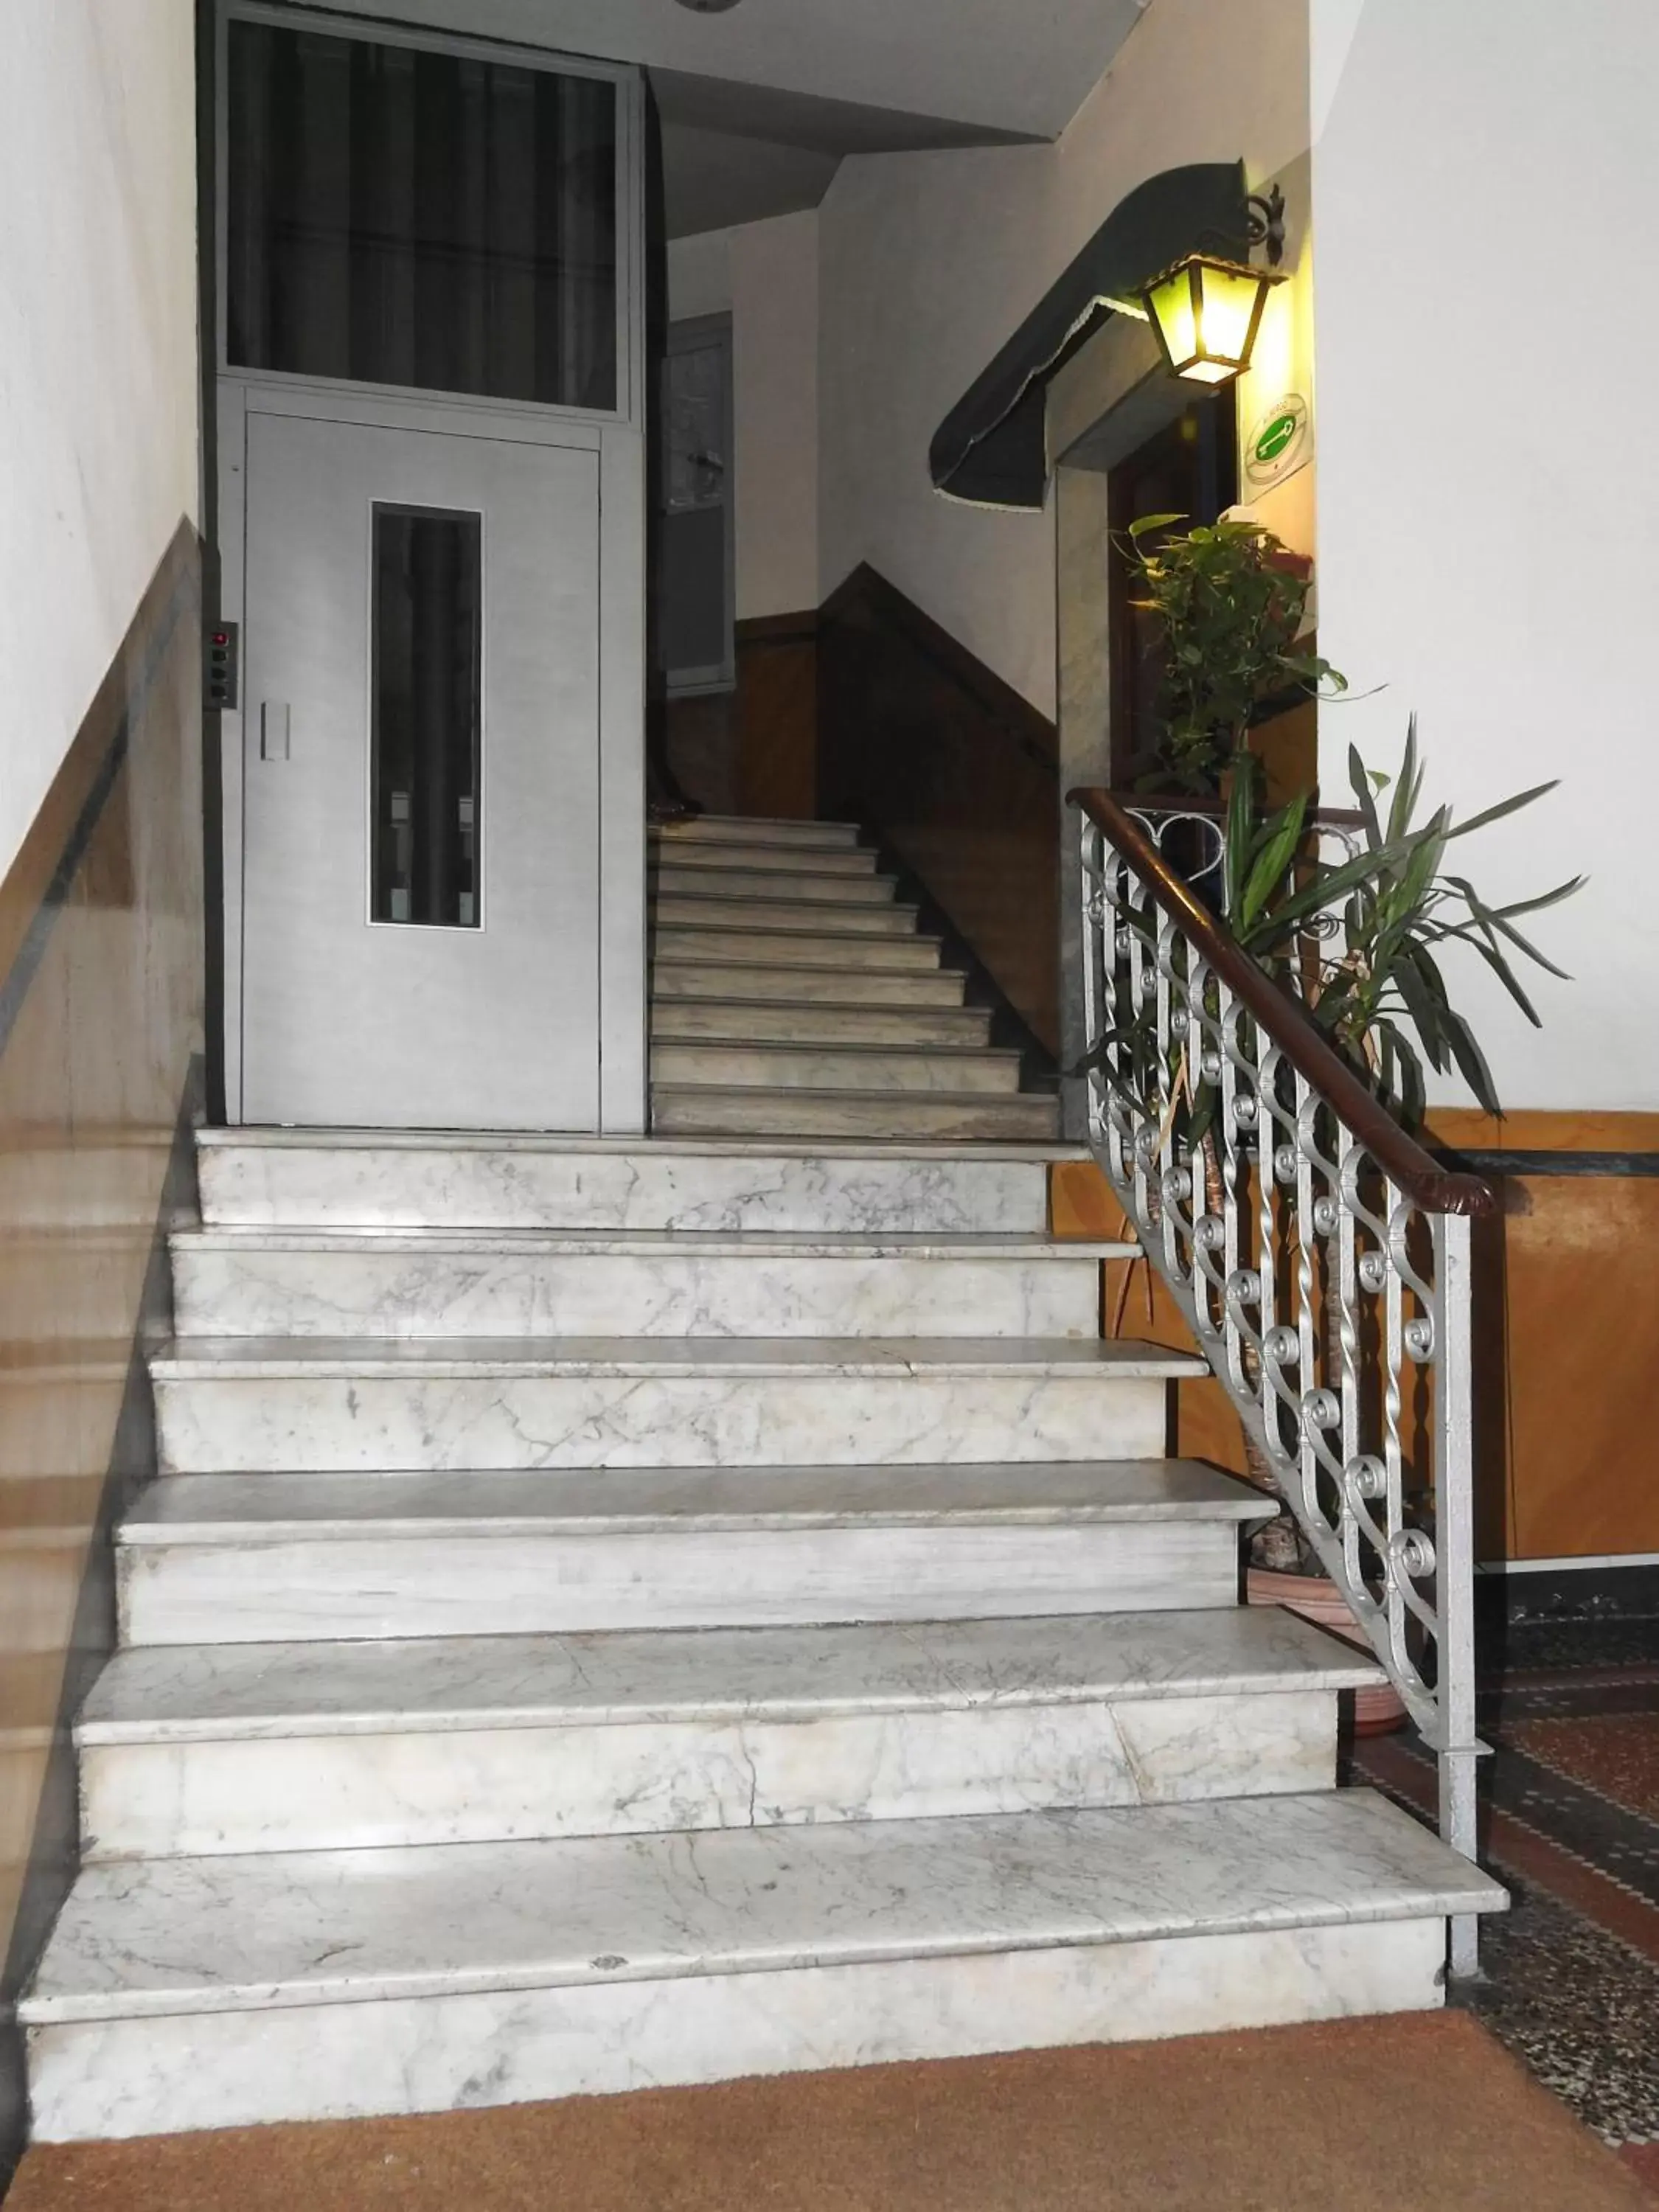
421 711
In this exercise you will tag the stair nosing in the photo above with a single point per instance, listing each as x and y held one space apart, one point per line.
752 1899
1294 1659
782 1358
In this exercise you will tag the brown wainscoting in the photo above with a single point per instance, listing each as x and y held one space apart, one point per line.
753 749
101 1032
957 774
777 733
1566 1323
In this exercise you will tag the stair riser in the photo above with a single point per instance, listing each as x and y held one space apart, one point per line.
407 1423
406 1295
766 858
798 947
303 1186
123 2078
966 1027
781 884
328 1587
675 910
951 1070
359 1792
724 829
676 982
891 1116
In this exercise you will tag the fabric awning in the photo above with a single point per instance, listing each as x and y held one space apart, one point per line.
989 449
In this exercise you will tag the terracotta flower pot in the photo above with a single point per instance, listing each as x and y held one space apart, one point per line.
1376 1711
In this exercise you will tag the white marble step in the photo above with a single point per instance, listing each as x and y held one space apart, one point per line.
711 911
314 1178
728 1063
711 1109
803 943
769 855
268 1405
739 830
305 1557
507 1283
779 884
781 1020
209 1748
679 980
187 1993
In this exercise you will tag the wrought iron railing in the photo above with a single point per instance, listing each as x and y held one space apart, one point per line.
1318 1254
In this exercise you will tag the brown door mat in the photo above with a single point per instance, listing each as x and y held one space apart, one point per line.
1412 2113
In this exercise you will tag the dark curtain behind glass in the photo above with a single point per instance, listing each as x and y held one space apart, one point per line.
405 217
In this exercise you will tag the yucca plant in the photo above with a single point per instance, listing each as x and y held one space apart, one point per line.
1375 985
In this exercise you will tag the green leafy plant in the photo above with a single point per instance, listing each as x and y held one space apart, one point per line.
1231 600
1374 984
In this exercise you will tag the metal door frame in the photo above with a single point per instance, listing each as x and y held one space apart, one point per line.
618 438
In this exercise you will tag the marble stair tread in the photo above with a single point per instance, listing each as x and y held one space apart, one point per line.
816 1023
704 1108
768 856
740 828
255 1358
206 1694
898 990
660 1243
250 1139
757 944
218 1935
785 880
955 1068
283 1508
714 908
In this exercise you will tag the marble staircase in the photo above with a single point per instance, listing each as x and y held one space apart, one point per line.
625 1612
792 994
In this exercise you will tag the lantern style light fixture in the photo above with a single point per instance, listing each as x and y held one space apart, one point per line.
1207 310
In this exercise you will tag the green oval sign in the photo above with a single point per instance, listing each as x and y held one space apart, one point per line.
1277 435
1278 443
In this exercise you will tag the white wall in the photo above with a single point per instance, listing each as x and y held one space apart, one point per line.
1488 482
98 374
774 332
765 275
931 261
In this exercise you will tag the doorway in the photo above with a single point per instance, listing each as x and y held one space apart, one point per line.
431 463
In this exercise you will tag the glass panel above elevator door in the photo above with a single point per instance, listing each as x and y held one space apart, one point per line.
400 216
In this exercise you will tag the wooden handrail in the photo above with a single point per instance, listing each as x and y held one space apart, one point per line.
1431 1188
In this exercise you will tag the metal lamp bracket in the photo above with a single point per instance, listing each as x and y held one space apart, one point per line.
1267 223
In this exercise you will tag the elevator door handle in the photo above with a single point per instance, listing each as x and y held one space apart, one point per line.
274 730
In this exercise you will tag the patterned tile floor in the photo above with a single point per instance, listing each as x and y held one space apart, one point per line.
1571 1825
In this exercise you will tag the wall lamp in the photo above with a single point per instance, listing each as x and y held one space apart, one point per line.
1207 310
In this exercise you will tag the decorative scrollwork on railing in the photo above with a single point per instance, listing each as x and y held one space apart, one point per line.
1320 1258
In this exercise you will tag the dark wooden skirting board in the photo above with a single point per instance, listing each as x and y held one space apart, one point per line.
958 776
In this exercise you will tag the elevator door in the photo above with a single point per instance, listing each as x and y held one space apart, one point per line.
421 810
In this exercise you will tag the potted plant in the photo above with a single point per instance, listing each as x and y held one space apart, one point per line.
1231 600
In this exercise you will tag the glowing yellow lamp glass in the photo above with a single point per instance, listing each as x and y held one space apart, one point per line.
1206 313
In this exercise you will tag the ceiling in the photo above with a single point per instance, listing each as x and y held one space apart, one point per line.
1016 67
735 153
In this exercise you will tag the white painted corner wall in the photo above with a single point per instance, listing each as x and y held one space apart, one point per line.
1488 485
765 276
930 262
99 408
